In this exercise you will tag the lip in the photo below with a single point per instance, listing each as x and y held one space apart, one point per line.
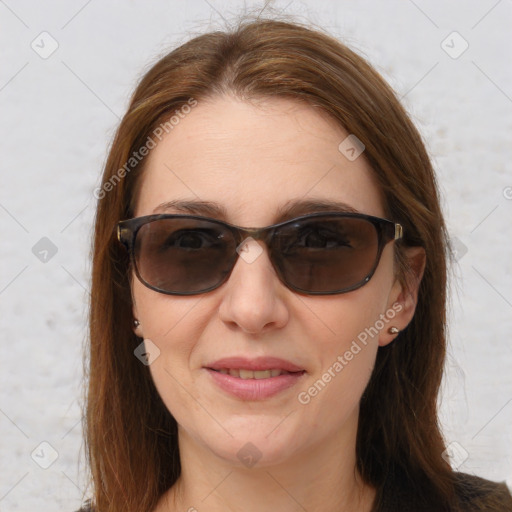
259 363
254 389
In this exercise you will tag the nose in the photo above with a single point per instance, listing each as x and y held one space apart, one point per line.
254 295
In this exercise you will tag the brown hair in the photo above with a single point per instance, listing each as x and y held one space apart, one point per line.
131 438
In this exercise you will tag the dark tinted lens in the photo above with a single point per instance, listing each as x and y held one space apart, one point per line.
183 255
327 255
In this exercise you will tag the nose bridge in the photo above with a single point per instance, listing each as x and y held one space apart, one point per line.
251 251
263 234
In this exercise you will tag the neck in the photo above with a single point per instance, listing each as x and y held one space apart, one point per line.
319 478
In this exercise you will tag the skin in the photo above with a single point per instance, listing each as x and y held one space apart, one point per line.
252 157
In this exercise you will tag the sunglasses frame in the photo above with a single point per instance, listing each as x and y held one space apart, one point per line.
387 231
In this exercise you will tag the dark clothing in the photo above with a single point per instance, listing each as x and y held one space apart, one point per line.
474 494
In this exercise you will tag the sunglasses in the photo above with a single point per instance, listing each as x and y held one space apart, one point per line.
315 254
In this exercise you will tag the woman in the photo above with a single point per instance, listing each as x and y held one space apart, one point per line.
295 366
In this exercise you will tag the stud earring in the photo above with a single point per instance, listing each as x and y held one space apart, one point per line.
393 330
136 323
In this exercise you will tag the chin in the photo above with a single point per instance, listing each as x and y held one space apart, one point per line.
257 444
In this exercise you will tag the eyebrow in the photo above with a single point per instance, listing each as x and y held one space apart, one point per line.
289 210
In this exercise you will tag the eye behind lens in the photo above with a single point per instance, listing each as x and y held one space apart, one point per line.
184 256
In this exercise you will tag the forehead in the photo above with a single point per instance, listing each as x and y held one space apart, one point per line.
251 160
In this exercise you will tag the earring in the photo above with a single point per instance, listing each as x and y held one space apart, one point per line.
136 323
393 330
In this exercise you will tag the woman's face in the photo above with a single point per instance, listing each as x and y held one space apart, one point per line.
253 159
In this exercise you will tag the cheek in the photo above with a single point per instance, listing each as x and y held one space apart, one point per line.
161 314
346 345
343 322
331 395
166 322
345 337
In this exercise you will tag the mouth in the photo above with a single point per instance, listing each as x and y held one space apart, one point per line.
255 379
242 373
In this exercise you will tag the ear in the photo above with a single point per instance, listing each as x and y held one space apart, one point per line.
403 296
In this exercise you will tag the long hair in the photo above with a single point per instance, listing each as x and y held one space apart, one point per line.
130 436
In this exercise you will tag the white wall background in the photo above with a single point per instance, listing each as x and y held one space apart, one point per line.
58 115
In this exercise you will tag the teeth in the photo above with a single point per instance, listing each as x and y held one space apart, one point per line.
249 374
262 374
246 374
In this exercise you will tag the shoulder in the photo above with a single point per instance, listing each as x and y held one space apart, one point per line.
471 494
478 494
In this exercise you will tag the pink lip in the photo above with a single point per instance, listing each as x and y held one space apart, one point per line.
254 389
259 363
